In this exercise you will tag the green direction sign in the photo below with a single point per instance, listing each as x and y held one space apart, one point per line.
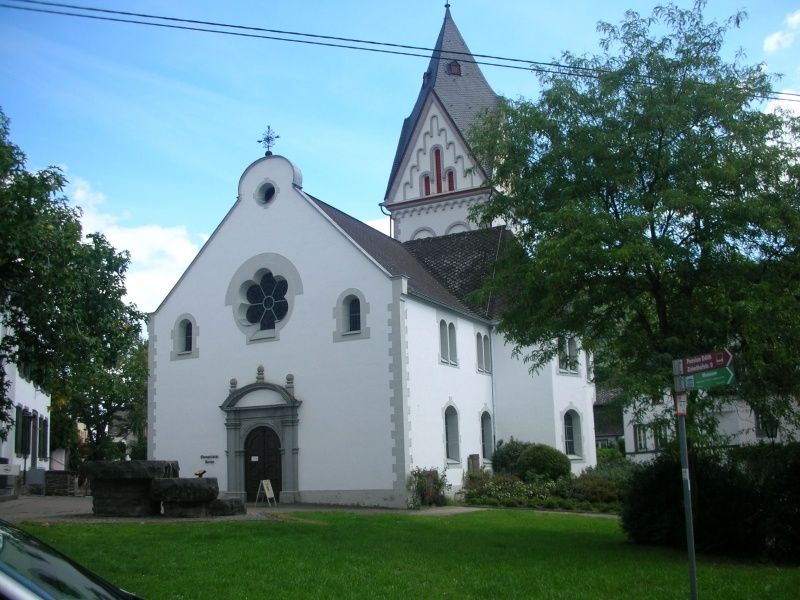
709 379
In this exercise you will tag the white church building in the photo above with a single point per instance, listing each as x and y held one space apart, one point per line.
305 347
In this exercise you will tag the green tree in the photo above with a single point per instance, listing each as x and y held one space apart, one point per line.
656 208
61 296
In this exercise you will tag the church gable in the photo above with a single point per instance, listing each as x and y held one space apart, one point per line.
437 159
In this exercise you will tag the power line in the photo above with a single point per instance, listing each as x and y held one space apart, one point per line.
535 66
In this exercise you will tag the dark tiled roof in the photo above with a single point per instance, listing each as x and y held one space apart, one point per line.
464 96
395 258
462 262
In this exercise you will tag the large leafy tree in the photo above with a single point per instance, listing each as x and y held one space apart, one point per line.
66 324
656 207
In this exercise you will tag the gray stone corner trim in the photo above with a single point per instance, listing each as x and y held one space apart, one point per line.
282 418
398 382
341 317
252 270
177 352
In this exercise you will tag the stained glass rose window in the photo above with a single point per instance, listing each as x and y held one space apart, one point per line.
266 301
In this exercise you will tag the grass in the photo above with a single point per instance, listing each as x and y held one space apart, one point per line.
497 554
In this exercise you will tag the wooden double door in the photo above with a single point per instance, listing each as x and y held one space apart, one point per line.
262 460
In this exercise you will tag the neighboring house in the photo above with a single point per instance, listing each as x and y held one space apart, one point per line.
609 425
305 347
737 423
27 444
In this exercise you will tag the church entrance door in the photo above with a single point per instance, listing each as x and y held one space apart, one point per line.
262 460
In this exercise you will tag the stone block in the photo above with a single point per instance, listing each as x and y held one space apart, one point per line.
186 489
226 507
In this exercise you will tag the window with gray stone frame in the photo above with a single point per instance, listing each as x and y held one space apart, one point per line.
451 434
351 314
184 338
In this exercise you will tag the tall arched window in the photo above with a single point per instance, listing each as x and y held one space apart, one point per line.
487 354
451 181
354 314
572 433
479 351
451 334
444 353
451 433
426 185
437 164
487 441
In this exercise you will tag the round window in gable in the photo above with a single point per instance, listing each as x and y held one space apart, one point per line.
264 301
267 193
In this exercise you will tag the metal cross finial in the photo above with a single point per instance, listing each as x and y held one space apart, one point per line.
268 140
447 5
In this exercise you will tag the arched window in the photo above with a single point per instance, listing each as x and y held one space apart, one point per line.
451 181
479 351
444 353
572 433
487 354
568 355
184 338
451 433
354 314
487 441
426 185
451 334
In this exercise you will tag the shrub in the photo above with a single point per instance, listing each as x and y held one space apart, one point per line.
541 460
506 455
426 488
609 456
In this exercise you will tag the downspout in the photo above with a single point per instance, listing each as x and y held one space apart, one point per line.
391 220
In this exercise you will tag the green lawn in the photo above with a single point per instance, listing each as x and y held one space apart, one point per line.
490 554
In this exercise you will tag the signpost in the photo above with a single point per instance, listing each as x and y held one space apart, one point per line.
701 372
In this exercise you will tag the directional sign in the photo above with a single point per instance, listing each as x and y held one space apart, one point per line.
710 360
709 379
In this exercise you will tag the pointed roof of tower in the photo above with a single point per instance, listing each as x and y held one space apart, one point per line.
463 96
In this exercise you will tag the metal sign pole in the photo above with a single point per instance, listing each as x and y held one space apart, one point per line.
680 409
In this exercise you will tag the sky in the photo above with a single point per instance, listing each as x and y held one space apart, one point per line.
153 127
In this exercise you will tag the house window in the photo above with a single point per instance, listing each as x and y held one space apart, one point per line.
568 355
451 181
766 427
640 438
454 68
354 314
448 352
487 442
451 434
572 434
660 438
34 441
184 338
42 437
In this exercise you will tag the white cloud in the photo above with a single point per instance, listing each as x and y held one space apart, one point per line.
785 37
159 255
791 105
381 224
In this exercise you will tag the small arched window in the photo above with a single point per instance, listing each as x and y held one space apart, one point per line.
451 335
487 441
487 354
451 434
451 181
479 351
426 185
444 353
186 327
354 314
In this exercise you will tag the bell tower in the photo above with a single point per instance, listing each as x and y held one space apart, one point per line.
435 178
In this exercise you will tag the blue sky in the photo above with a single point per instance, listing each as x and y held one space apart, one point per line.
153 127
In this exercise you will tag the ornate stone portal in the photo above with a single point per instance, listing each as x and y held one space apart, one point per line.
262 404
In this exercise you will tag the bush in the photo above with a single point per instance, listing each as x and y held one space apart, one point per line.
609 456
506 455
426 488
541 460
744 503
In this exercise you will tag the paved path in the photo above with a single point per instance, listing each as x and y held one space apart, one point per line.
79 509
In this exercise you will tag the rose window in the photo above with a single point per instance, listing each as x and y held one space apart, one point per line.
266 301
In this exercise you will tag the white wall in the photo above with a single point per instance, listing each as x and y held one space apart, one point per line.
345 430
433 386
